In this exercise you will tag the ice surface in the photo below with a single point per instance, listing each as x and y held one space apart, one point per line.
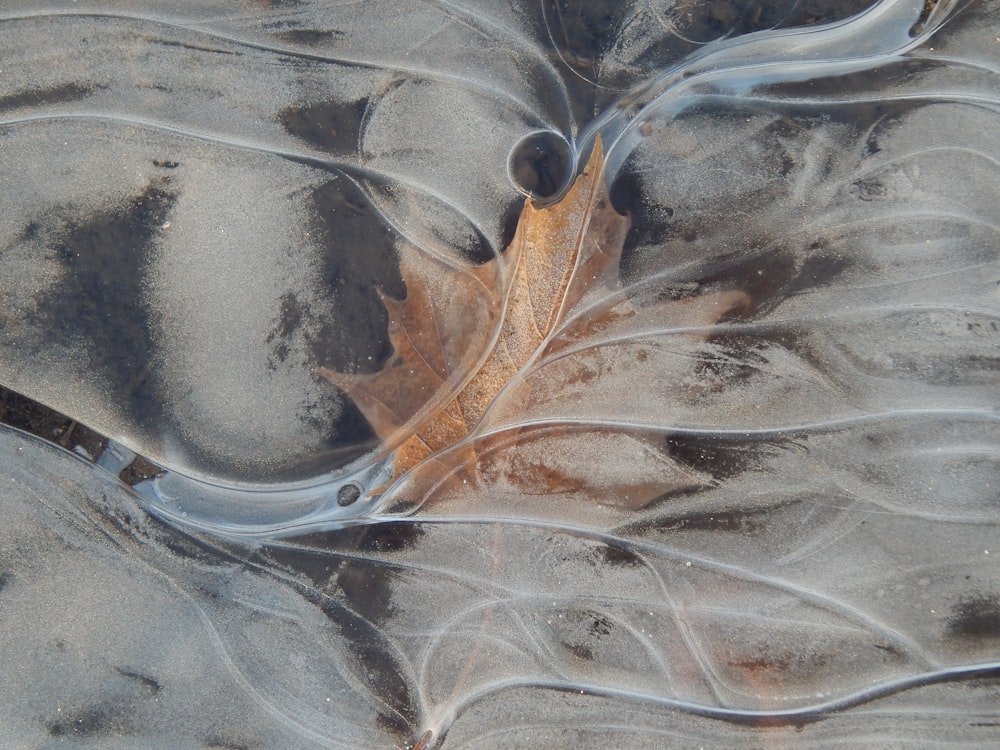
750 498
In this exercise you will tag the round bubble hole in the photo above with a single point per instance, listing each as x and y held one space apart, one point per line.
541 165
348 495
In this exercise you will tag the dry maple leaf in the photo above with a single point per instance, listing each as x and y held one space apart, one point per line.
559 254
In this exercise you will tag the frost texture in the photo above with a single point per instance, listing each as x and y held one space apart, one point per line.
826 570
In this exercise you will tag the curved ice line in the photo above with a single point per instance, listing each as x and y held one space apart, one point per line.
930 97
676 89
492 92
821 427
958 62
550 599
218 643
900 159
730 49
562 58
855 314
328 520
466 622
669 275
297 584
245 684
785 57
476 583
822 602
627 425
680 100
551 661
890 509
308 159
689 637
910 216
669 738
829 425
913 280
805 714
524 43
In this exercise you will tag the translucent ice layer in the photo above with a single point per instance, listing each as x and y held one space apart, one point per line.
209 198
742 493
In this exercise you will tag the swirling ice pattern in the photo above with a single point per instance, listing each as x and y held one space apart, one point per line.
826 571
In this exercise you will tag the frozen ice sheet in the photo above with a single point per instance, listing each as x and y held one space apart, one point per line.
746 497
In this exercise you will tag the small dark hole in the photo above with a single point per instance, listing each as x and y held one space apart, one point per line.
541 164
348 494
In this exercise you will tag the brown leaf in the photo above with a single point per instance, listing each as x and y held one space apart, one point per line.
560 255
552 261
445 322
